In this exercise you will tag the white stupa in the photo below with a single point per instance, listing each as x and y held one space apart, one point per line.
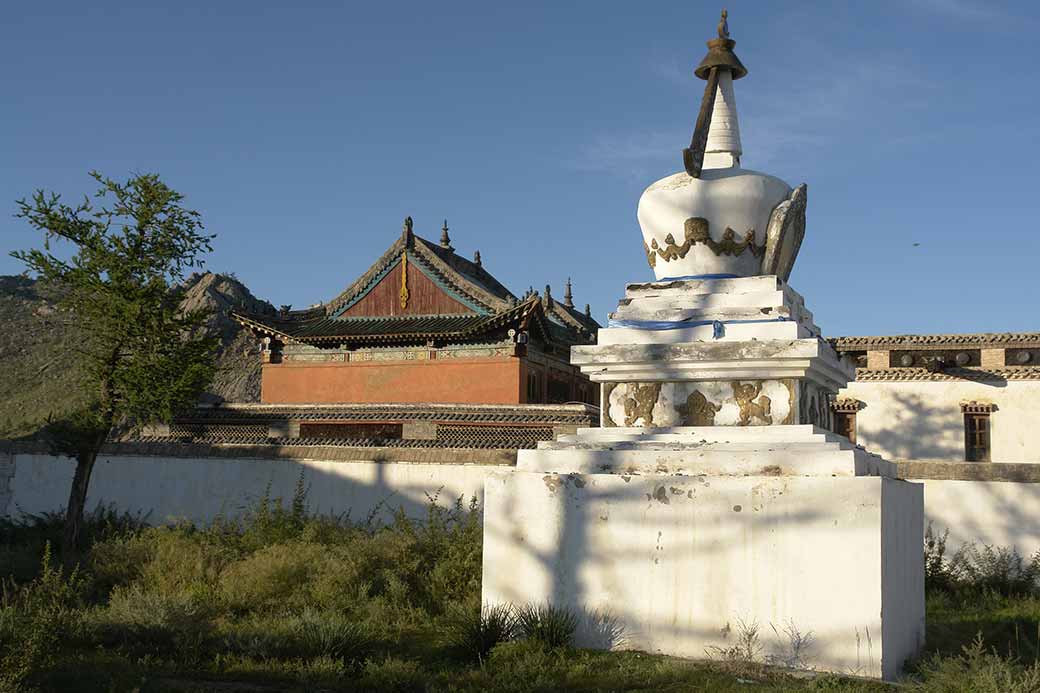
714 494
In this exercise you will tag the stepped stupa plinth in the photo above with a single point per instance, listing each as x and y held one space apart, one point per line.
714 495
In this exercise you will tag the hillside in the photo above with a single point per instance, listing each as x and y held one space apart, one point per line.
37 348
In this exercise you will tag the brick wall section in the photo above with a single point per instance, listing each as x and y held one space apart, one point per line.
878 360
992 358
970 471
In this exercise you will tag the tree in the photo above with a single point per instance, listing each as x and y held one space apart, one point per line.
141 359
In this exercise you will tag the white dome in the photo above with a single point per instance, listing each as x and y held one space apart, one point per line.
715 224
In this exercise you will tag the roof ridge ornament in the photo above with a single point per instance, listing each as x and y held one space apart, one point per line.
720 59
406 233
445 239
568 298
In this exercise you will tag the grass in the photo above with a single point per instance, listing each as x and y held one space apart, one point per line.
285 600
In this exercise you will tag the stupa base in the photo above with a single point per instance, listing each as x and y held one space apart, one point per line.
825 564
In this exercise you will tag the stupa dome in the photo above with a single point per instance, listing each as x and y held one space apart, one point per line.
716 218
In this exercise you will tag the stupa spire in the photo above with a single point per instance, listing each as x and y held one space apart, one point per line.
716 136
445 239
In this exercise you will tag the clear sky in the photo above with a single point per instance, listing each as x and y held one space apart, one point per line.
305 133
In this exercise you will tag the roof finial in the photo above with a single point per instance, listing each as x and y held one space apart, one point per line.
445 239
568 299
476 258
406 233
588 311
724 25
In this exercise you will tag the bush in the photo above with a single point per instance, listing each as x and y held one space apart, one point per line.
393 675
307 635
550 625
23 538
473 633
978 670
999 569
166 625
35 619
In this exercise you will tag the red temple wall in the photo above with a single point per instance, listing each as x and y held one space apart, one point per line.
424 297
469 381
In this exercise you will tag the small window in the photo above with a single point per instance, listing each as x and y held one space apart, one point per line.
976 437
845 424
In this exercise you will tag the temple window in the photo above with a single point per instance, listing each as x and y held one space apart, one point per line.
977 431
845 425
533 390
845 410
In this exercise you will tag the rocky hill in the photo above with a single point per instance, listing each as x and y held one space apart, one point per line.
37 346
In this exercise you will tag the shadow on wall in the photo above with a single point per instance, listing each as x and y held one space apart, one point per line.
595 553
201 489
915 430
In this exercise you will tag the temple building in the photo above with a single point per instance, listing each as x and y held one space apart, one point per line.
948 397
425 325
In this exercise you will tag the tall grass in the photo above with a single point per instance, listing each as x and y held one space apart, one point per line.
293 599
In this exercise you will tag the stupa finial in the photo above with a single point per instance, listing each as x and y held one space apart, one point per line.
568 298
716 131
445 239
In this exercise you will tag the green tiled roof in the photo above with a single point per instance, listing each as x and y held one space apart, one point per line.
403 328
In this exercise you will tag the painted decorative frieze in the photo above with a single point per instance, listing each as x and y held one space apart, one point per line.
732 403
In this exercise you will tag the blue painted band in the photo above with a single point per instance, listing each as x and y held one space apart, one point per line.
718 326
698 276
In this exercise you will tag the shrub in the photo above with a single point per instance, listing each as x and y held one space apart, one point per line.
141 622
23 538
937 572
35 619
979 670
550 625
393 675
307 635
473 633
1000 569
277 577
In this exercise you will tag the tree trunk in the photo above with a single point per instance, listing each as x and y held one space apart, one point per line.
71 538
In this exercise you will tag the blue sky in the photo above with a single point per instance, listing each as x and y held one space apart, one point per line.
306 132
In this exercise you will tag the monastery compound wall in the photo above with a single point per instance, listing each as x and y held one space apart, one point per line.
922 420
199 487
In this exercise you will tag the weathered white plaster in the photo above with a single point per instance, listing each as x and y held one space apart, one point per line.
922 420
200 489
712 451
681 561
985 513
723 149
729 198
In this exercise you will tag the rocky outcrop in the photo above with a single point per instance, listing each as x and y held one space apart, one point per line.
37 346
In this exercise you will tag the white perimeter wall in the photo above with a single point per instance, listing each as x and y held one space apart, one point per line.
922 420
998 513
200 489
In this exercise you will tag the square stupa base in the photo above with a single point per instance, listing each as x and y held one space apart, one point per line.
825 561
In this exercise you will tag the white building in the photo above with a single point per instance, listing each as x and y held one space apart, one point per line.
949 398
